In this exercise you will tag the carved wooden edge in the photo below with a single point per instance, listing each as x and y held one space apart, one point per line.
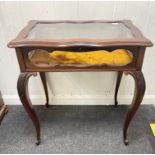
22 41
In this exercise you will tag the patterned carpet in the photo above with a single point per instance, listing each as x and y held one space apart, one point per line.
77 129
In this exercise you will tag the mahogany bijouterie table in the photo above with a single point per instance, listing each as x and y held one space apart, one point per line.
75 46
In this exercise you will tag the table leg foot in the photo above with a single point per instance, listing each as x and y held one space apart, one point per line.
138 96
38 142
43 79
47 105
126 141
22 87
116 103
119 77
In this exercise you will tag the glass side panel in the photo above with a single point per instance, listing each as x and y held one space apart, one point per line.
119 57
80 31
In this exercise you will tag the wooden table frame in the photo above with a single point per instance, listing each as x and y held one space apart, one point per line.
136 45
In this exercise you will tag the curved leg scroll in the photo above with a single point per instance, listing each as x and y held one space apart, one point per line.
119 77
138 96
43 79
22 87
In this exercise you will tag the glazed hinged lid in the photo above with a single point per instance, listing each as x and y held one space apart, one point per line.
80 33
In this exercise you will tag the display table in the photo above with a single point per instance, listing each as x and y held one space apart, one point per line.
75 46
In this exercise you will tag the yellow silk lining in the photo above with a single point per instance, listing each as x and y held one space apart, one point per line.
119 57
116 57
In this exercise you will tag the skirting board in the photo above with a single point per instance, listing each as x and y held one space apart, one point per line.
78 100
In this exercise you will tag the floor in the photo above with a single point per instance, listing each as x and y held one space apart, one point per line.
77 129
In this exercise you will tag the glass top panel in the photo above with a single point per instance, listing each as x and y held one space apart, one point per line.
80 31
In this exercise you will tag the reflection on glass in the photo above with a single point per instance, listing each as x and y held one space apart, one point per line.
119 57
80 31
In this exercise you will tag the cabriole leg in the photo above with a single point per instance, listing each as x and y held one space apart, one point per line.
138 96
43 79
119 77
22 87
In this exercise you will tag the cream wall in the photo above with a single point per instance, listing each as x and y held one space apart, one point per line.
74 88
